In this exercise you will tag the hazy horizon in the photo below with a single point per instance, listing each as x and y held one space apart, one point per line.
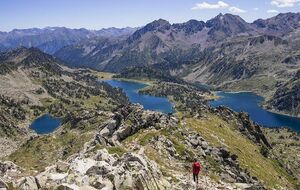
96 15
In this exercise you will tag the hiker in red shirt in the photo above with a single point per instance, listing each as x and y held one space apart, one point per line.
196 170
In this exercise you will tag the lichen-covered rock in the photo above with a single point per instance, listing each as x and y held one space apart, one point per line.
28 183
3 185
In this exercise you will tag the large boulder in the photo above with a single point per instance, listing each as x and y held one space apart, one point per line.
103 155
28 183
3 185
109 128
66 186
101 183
62 166
101 168
8 166
81 165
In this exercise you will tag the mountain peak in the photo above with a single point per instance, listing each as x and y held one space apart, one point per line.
158 24
29 58
278 25
191 26
227 25
227 17
22 53
219 15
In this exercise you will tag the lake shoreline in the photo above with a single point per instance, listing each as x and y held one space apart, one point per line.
279 112
149 102
147 82
45 124
262 105
253 104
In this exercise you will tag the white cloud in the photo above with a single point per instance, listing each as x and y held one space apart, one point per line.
205 5
236 10
284 3
255 9
272 11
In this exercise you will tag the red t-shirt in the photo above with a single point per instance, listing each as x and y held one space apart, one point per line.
196 167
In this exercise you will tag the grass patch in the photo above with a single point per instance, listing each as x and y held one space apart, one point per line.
96 101
138 80
263 85
248 153
47 101
120 151
142 137
42 151
102 75
147 137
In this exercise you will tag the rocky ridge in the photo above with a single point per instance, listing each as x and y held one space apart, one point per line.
51 39
95 168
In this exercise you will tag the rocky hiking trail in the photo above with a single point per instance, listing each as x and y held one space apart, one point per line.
119 156
133 171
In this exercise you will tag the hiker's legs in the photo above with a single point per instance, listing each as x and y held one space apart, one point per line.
195 176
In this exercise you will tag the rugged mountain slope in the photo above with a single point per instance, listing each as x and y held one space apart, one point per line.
228 25
164 44
18 66
287 97
51 39
172 45
279 25
30 80
241 62
286 145
89 51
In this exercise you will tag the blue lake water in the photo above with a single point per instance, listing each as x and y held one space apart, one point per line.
45 124
249 102
161 104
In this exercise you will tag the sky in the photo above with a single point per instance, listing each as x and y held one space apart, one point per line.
97 14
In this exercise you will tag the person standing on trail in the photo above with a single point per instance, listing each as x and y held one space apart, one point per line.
196 170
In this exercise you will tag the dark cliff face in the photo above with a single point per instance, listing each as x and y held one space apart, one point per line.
278 25
190 27
238 59
287 98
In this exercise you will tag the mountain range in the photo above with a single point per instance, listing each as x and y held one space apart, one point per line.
225 52
51 39
173 45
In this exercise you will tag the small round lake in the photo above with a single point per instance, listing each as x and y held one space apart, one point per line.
249 102
45 124
161 104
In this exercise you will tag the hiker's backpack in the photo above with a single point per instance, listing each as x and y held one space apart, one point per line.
196 167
